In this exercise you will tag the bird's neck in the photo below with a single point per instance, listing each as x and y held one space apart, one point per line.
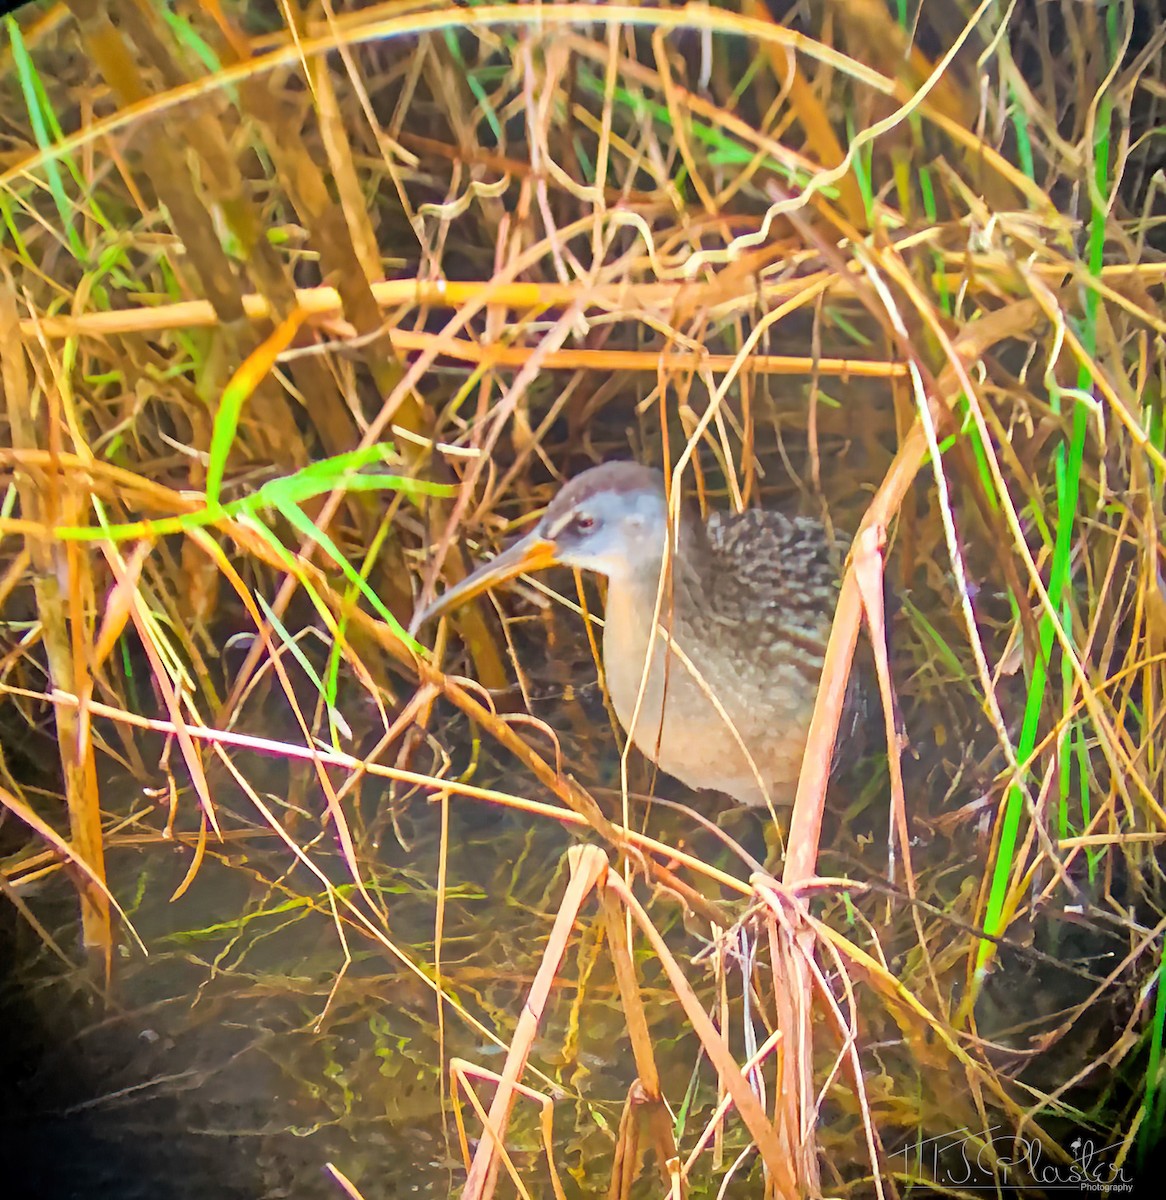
686 555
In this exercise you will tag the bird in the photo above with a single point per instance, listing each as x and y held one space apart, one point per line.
714 632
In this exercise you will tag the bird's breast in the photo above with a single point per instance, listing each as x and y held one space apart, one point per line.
703 708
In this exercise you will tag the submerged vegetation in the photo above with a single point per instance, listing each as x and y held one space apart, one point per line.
304 308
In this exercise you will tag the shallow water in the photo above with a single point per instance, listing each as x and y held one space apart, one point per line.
245 1053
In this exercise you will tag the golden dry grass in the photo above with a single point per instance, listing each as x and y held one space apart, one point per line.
904 275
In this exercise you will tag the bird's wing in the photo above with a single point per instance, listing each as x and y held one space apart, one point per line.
776 578
766 560
774 575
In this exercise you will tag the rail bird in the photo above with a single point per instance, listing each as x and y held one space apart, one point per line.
714 633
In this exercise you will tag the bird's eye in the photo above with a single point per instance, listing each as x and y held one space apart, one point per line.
583 523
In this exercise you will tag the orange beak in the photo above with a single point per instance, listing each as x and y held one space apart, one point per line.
531 553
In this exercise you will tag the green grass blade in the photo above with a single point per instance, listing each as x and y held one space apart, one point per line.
36 103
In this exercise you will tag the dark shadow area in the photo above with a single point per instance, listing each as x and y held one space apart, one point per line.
81 1115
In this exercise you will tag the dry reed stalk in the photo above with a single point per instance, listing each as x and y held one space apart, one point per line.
64 589
645 1105
588 865
789 1172
796 1004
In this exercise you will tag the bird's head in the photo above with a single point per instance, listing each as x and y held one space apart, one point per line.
612 519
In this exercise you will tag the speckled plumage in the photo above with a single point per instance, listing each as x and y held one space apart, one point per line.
750 605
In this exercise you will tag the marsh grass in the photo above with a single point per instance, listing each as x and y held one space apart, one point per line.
299 321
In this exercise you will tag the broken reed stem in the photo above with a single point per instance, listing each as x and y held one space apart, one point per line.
787 1152
644 1099
459 1070
766 1133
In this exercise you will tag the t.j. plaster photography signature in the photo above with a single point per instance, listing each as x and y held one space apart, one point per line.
988 1160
